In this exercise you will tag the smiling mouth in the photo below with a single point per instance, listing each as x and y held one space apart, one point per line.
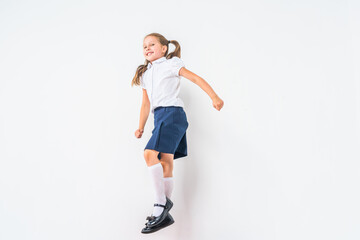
149 54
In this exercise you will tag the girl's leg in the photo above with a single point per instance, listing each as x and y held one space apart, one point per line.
167 161
157 176
151 157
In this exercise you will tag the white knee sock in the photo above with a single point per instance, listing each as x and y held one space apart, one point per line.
157 177
169 185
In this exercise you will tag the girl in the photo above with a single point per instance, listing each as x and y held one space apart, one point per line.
160 79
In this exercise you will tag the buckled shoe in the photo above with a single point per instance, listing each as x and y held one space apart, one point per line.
167 222
154 221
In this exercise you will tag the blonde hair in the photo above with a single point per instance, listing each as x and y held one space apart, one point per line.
163 41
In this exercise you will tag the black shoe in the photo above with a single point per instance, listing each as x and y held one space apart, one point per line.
155 221
167 222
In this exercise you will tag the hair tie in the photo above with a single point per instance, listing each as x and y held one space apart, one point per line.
169 42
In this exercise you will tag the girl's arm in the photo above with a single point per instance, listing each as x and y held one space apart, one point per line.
145 110
144 113
217 102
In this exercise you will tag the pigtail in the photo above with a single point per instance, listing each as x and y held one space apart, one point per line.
176 52
139 72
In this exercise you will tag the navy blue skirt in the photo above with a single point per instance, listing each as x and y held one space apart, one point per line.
169 133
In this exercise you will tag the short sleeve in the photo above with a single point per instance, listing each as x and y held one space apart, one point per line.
142 84
176 64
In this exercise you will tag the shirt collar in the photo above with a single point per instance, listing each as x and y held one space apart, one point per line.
156 61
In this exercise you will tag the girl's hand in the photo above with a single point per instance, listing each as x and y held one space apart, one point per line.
139 132
218 103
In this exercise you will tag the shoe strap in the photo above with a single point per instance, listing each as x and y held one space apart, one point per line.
159 205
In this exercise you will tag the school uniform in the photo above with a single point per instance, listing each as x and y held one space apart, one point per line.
162 83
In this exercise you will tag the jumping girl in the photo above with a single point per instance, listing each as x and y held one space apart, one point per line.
160 79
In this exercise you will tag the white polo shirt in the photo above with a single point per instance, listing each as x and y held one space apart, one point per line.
162 82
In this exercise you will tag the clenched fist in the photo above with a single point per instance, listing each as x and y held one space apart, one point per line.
139 132
217 103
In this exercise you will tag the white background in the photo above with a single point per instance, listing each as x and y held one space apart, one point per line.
280 161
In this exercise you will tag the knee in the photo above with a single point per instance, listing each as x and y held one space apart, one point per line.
147 156
167 166
150 157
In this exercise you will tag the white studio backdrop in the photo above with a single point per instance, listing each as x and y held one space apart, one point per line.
280 161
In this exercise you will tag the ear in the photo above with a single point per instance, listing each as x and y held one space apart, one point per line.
164 48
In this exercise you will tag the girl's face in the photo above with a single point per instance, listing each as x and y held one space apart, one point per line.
152 49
